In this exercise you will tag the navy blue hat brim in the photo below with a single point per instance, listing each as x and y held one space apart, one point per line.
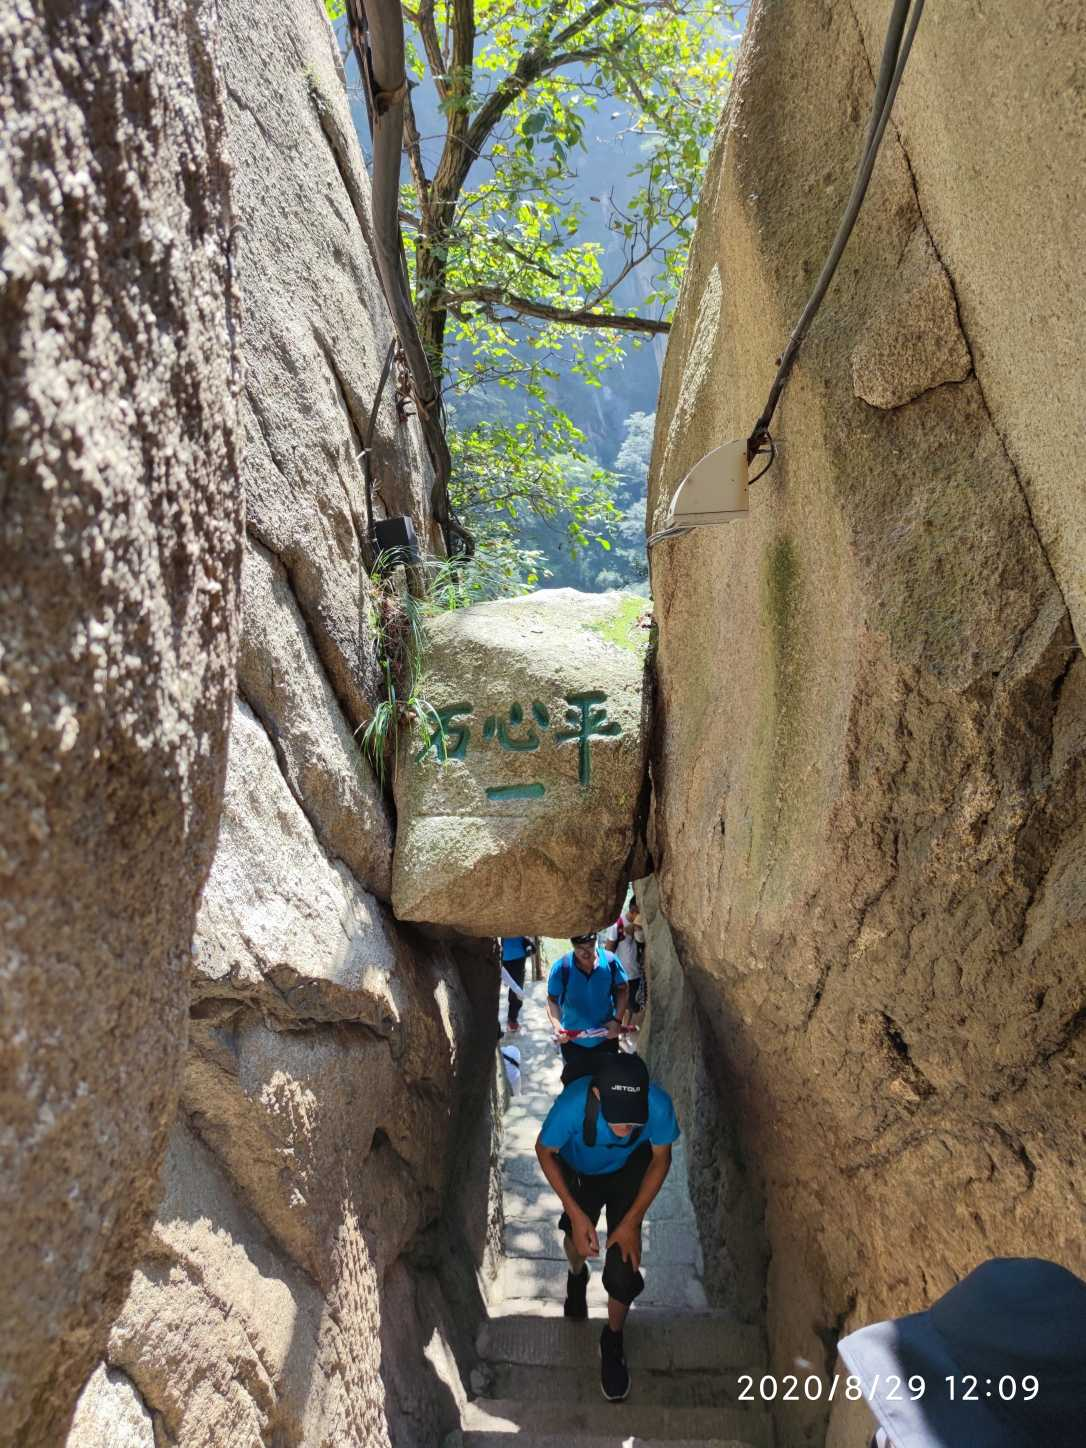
911 1347
886 1355
1010 1319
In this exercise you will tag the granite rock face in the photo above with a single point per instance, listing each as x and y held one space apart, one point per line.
111 1413
522 818
316 332
329 1213
335 1096
869 754
679 1051
120 547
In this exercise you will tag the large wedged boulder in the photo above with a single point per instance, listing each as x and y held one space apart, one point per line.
120 540
869 755
520 818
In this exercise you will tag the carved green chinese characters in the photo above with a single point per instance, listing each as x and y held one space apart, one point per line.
448 729
586 716
589 722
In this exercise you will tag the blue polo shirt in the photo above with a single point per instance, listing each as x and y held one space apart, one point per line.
515 947
589 1002
563 1130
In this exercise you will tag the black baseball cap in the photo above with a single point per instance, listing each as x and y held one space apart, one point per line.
583 939
623 1083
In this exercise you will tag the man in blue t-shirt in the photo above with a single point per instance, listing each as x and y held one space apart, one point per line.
515 952
606 1143
587 990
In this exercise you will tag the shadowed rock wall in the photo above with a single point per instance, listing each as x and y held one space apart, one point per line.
870 769
329 1209
120 550
681 1055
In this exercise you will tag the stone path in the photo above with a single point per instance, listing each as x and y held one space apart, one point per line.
540 1374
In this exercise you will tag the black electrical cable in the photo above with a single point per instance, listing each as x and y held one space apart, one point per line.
377 35
367 445
895 53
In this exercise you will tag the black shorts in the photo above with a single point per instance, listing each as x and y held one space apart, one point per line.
583 1060
612 1191
616 1192
639 995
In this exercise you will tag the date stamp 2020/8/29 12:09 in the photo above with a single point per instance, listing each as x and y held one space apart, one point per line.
966 1388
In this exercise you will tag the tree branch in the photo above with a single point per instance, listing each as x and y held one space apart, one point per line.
413 146
583 21
543 53
449 175
423 21
571 316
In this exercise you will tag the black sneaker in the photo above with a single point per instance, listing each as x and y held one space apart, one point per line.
614 1374
576 1303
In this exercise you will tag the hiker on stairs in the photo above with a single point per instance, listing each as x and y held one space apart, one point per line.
515 952
587 990
606 1144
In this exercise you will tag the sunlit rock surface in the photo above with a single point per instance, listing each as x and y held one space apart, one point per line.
869 762
522 818
120 551
328 1215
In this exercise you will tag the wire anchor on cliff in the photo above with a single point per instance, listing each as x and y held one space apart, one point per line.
715 489
376 31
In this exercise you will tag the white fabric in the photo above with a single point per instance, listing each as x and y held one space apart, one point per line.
511 983
511 1061
626 950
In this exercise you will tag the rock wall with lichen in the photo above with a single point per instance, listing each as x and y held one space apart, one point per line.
120 551
870 765
328 1213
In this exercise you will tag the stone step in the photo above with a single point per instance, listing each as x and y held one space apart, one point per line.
575 1421
619 1438
611 1440
542 1277
519 1382
663 1243
655 1341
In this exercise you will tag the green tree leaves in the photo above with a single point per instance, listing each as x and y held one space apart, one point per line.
508 287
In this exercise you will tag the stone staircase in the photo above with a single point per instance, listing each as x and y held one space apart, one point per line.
537 1383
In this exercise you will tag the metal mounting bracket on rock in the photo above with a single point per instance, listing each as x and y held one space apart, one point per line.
715 489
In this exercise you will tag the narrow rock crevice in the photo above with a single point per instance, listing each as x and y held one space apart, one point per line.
355 718
357 427
272 730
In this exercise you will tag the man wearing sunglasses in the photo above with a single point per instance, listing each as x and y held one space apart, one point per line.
587 990
606 1145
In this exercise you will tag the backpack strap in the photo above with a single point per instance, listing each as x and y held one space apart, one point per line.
612 965
591 1116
